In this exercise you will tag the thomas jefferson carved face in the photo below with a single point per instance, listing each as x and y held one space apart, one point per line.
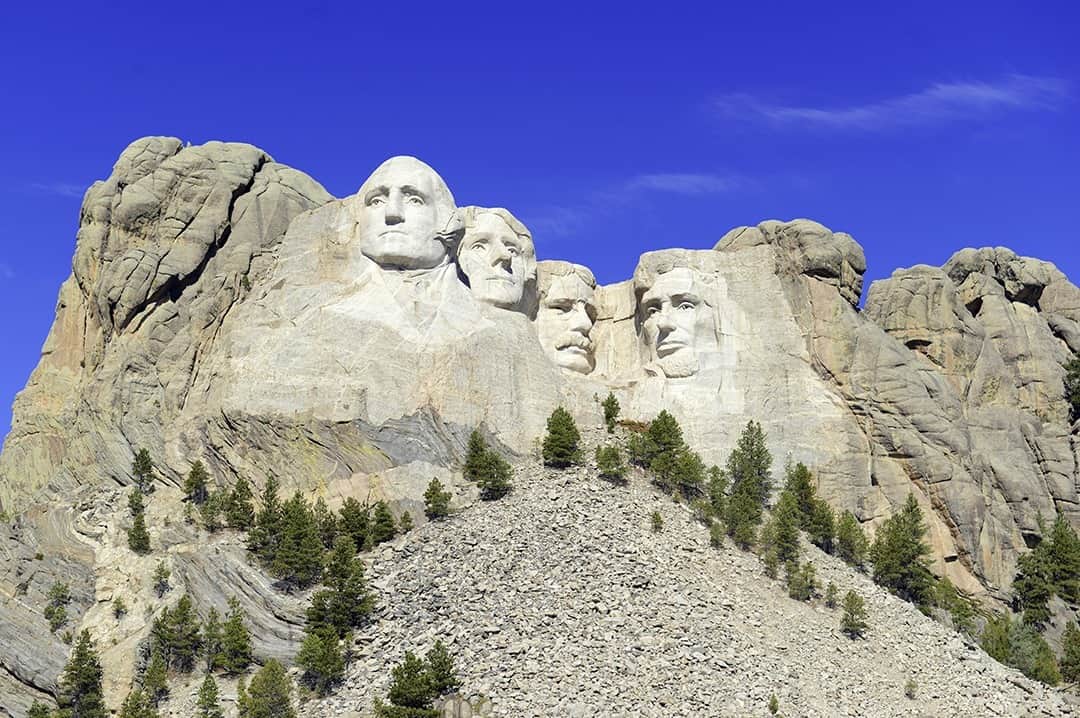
403 208
566 316
677 324
497 256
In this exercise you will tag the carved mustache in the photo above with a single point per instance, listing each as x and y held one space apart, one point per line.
574 340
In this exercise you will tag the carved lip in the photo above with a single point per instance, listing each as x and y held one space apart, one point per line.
575 349
670 346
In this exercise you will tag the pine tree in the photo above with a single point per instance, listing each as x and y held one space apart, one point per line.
405 523
211 510
1034 584
1031 655
717 491
687 477
1065 560
475 457
142 468
119 608
995 637
494 481
441 672
136 504
297 562
235 654
1070 653
383 526
851 543
186 640
743 514
436 501
356 522
80 694
38 710
209 700
609 462
265 534
657 522
560 448
411 686
212 639
195 487
801 581
137 705
239 508
1072 385
345 603
800 484
325 521
785 528
270 693
138 536
821 527
320 657
663 438
853 621
56 609
748 470
161 579
155 678
900 555
831 594
611 412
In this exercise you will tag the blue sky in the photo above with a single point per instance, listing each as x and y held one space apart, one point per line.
919 128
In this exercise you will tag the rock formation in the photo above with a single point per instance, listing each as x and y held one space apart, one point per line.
224 308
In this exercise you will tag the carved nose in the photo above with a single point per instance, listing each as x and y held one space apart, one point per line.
579 321
664 323
394 214
499 256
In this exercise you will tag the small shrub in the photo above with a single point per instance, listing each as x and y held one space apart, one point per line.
436 501
831 594
611 412
560 448
119 608
910 687
774 704
610 463
716 534
657 522
853 621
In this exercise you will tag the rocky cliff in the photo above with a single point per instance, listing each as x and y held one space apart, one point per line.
225 308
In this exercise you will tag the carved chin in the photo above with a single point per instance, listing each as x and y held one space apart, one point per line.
574 359
500 293
404 252
681 363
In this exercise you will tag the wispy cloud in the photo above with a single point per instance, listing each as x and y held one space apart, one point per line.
938 104
63 189
685 183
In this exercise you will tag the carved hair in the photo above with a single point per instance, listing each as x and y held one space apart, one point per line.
549 269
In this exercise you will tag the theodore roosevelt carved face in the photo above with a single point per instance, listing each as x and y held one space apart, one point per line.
677 322
404 214
496 256
566 314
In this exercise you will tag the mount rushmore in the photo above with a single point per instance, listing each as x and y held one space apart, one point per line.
223 307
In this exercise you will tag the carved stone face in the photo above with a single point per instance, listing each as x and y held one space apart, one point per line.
676 322
565 318
403 206
496 260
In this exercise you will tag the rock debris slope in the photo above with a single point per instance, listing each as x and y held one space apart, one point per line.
559 600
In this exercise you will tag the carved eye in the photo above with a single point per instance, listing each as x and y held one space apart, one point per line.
478 246
376 201
512 250
651 310
687 306
415 200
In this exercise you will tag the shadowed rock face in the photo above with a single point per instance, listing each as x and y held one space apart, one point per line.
225 308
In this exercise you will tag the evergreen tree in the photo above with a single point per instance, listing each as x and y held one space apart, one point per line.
800 484
136 504
345 603
1065 560
784 529
821 527
138 536
209 700
831 594
636 450
1034 584
211 510
383 525
743 514
611 412
995 637
185 638
1031 655
356 522
717 491
38 710
853 621
239 508
235 654
56 609
663 438
119 608
560 448
411 686
155 678
801 581
1070 653
748 470
657 522
320 657
80 694
1072 385
436 501
900 555
297 562
212 639
161 579
405 523
137 705
195 487
851 543
494 480
609 462
325 521
960 610
687 477
265 534
441 672
716 534
270 693
142 468
475 457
